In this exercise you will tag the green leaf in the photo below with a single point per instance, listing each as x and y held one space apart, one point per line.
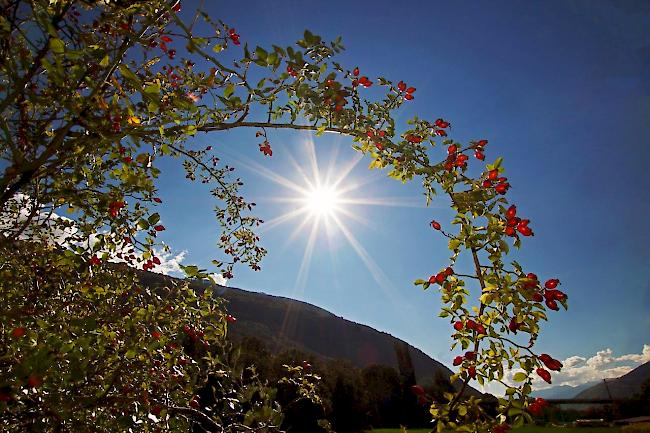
130 76
57 46
143 224
217 48
104 62
454 244
520 376
230 89
152 89
153 219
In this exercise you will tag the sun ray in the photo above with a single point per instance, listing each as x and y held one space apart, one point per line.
268 225
375 271
384 201
270 175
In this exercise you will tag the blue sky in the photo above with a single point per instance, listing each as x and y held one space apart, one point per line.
561 89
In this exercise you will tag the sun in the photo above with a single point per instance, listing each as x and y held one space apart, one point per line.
323 200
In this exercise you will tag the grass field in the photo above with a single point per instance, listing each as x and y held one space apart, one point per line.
529 429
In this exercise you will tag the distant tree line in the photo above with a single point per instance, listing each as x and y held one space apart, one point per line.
352 399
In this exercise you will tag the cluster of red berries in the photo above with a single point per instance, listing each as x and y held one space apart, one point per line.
411 138
230 318
549 362
334 91
442 125
364 81
549 293
151 263
114 208
265 148
173 78
194 335
471 325
479 149
455 158
514 223
469 356
234 37
441 276
291 71
376 137
537 406
406 91
502 184
171 53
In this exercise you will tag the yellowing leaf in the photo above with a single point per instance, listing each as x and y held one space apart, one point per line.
133 120
520 376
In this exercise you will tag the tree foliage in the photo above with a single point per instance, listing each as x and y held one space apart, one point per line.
94 95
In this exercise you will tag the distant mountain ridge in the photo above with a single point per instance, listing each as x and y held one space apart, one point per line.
625 386
284 323
563 391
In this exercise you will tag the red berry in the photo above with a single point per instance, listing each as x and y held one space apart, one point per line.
159 228
401 86
510 231
486 183
34 380
514 325
471 371
482 143
452 149
525 230
231 319
479 155
458 360
471 356
18 332
194 403
550 303
458 326
440 278
449 271
355 72
544 374
512 211
417 390
157 200
537 297
410 90
493 174
408 97
435 225
551 284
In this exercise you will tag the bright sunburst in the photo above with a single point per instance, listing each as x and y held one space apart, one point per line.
323 200
320 201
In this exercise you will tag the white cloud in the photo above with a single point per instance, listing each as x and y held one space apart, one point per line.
578 370
62 231
603 365
219 279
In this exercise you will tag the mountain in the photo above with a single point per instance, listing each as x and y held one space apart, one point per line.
563 391
622 387
286 323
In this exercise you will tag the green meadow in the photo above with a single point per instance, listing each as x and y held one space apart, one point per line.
527 429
